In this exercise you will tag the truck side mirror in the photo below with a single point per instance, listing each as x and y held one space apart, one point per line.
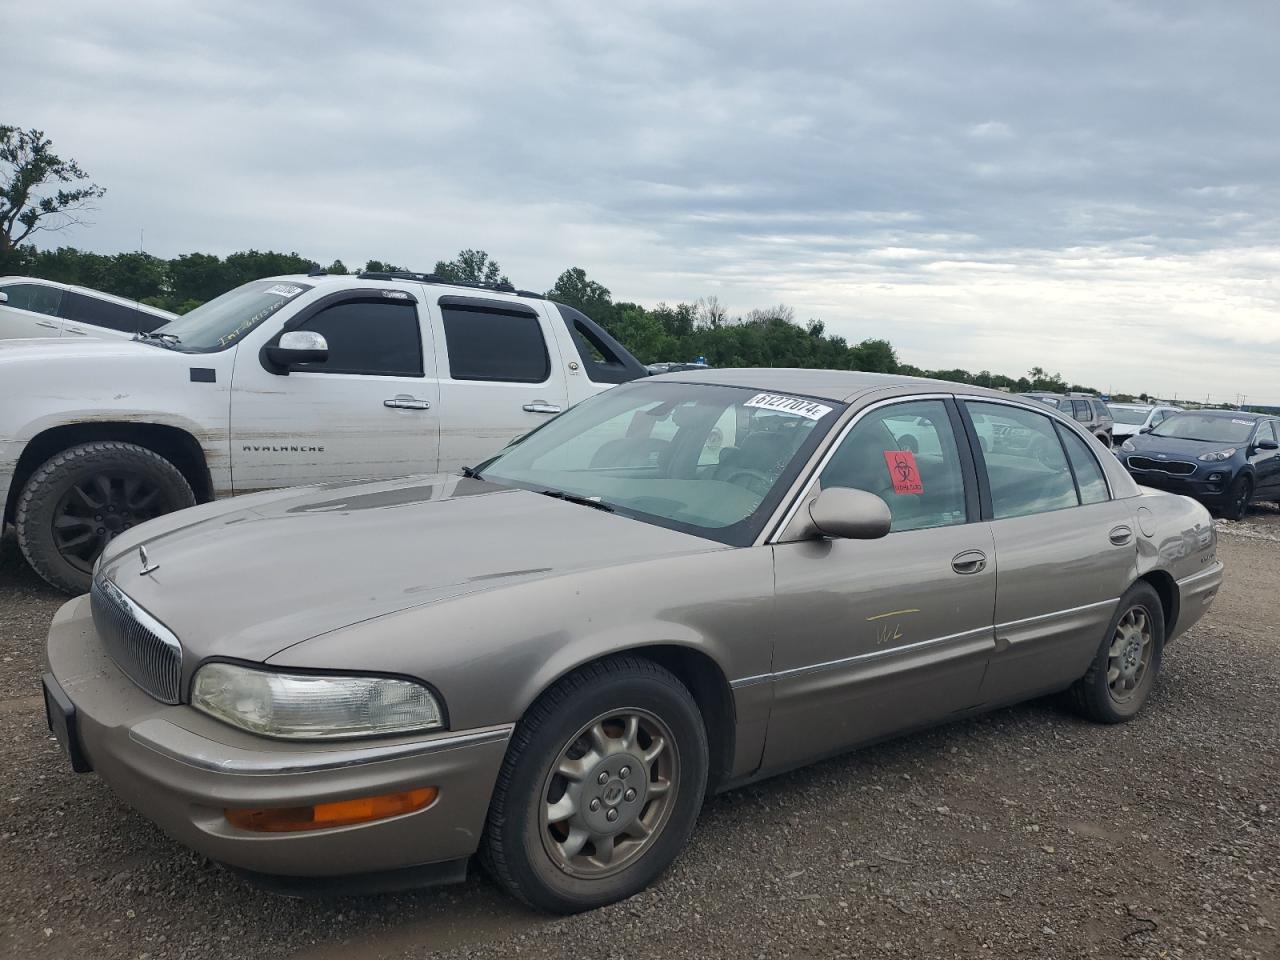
298 346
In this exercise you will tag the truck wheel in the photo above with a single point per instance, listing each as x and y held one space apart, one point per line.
79 500
1125 667
600 787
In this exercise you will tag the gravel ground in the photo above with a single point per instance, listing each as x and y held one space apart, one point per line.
1025 833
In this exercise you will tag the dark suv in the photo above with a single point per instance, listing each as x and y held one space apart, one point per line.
1223 458
1083 407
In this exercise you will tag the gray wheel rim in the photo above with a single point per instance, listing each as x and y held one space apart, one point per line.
1129 657
100 506
610 793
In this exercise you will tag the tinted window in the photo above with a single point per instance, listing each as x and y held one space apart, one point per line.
34 297
377 337
1089 478
1025 464
906 454
103 313
1100 410
1266 431
486 345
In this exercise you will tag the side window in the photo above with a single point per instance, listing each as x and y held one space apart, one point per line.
1081 410
907 455
1026 466
35 297
103 313
1266 431
1089 478
375 337
489 345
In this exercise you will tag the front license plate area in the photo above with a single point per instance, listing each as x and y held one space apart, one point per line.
60 713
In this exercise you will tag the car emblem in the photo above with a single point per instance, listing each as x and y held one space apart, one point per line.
147 565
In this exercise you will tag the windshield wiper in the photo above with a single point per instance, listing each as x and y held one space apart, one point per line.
168 340
575 498
471 473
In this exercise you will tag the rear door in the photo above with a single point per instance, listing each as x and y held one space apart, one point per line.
30 310
878 636
501 375
1065 551
369 411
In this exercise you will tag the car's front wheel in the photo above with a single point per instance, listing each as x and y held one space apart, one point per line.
1236 505
1125 668
600 787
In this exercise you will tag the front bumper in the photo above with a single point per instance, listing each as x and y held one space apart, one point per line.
181 768
1197 485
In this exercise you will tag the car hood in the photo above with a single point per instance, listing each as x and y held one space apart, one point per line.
56 350
1149 446
246 578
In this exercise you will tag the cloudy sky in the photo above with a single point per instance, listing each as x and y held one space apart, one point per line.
1086 186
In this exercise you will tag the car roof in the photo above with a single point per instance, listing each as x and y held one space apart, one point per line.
353 280
96 294
842 385
1229 414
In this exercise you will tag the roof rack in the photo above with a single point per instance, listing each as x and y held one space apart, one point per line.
436 278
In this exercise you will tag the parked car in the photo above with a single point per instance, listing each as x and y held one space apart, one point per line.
1133 418
41 308
278 382
1224 458
1082 407
675 367
553 660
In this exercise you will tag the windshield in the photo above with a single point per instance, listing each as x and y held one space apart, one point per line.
1198 426
707 460
1133 415
221 322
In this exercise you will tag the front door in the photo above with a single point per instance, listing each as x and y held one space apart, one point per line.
1266 463
1063 546
501 375
874 637
369 411
29 310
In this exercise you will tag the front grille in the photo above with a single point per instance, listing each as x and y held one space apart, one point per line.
1175 468
146 652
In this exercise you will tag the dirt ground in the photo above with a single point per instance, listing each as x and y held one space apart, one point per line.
1025 833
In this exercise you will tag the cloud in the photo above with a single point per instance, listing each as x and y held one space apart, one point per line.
1086 186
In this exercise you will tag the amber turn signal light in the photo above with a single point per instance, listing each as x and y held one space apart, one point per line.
340 813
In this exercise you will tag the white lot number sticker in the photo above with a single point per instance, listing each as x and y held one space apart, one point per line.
1246 423
284 290
803 408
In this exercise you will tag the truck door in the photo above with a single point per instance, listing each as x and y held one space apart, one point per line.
501 375
370 410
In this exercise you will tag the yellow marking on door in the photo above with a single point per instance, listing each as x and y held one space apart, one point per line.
892 613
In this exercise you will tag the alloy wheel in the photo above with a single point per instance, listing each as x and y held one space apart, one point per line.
1129 657
96 509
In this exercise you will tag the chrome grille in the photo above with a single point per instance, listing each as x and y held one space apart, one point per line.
142 647
1176 468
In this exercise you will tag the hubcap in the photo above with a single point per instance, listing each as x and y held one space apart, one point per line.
609 793
98 508
1130 655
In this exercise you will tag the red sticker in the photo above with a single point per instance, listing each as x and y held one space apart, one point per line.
903 471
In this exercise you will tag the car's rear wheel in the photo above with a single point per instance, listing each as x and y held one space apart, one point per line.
1125 668
1105 440
1236 505
79 500
600 787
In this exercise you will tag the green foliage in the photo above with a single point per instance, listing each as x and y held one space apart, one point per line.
470 266
28 163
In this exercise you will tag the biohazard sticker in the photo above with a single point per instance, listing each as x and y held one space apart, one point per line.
796 405
903 471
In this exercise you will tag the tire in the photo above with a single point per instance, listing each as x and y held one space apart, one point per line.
1099 696
529 853
83 497
1236 505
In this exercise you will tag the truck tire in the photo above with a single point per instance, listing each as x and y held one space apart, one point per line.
83 497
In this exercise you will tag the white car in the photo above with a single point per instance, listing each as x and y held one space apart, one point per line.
1133 418
285 381
41 308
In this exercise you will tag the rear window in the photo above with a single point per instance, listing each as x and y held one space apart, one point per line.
104 313
488 344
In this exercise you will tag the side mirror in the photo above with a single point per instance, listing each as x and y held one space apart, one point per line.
4 297
846 514
1267 445
1146 429
298 346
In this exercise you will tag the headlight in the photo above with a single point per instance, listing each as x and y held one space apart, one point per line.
1128 446
312 706
1218 455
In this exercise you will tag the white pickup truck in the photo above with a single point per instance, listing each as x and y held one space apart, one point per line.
281 381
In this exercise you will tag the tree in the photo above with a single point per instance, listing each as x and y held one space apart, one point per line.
28 163
575 290
470 266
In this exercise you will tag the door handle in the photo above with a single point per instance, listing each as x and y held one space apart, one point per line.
76 330
407 403
46 323
541 406
971 561
1121 535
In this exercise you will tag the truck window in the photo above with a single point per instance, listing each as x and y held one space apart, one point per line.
380 338
490 345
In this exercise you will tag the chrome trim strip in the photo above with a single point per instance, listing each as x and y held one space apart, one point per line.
158 735
750 681
1057 613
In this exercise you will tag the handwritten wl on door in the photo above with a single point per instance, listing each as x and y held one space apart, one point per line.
903 471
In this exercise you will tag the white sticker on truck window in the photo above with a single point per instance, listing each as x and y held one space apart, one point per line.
797 405
284 290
